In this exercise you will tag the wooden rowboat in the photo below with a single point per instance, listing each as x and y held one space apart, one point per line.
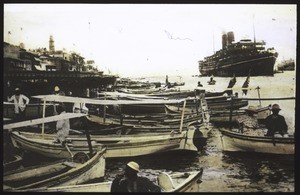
173 182
58 173
233 141
117 145
44 144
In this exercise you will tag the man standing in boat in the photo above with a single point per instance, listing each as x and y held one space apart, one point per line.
275 123
20 105
129 181
62 126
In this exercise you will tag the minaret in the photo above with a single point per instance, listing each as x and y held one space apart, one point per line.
22 45
51 44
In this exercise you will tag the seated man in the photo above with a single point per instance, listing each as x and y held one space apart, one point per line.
199 84
129 181
275 123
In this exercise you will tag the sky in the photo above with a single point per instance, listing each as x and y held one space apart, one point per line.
149 39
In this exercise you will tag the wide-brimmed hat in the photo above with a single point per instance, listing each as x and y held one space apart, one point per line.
275 107
251 109
134 166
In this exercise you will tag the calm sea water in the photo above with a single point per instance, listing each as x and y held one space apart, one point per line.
228 172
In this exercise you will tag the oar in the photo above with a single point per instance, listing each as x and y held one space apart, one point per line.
257 88
69 150
89 141
273 139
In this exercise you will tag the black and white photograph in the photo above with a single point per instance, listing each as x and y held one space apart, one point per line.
149 97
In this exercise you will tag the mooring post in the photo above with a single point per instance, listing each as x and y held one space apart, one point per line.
258 88
104 110
196 103
231 110
44 110
182 116
89 141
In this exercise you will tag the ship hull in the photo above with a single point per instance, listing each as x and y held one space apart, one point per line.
261 66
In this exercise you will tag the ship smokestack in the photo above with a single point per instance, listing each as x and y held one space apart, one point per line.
224 40
230 37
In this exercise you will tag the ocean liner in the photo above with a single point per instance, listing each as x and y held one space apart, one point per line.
239 58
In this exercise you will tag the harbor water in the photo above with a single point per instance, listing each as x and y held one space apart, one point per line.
228 171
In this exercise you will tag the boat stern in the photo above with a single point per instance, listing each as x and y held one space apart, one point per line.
193 140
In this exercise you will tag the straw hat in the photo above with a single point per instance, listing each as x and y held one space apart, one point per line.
134 166
56 88
275 107
251 109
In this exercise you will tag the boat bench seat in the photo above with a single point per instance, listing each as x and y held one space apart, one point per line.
71 164
165 182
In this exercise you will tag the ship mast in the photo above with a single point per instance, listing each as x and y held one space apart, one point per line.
254 31
214 42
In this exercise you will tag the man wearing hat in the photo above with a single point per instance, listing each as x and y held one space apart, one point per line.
248 122
129 181
57 91
20 106
275 123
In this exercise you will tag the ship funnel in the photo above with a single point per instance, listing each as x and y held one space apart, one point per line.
230 37
224 41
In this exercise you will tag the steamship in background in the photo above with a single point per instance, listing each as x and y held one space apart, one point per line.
241 58
286 65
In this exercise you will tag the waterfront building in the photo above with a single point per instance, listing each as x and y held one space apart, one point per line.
37 71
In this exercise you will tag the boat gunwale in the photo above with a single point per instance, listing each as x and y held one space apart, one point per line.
71 174
267 139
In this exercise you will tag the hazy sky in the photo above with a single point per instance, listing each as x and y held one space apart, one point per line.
149 39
